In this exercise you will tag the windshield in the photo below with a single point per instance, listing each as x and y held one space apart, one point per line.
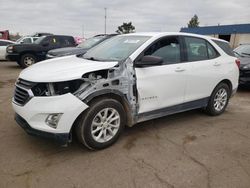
89 43
39 40
243 50
19 40
116 49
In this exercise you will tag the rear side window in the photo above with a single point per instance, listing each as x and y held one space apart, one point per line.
225 47
196 49
199 49
67 41
212 53
167 48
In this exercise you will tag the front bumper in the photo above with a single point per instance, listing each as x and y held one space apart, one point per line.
12 57
61 138
34 113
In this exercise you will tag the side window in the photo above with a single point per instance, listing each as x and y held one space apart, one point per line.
35 38
212 53
167 48
27 41
2 43
66 41
53 41
196 49
225 47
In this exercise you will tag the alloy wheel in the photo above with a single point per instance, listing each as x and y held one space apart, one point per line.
105 125
220 99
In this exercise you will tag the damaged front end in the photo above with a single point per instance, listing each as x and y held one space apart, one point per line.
119 80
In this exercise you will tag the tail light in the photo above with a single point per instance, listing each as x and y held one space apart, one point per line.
237 61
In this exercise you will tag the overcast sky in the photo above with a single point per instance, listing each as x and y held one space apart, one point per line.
73 16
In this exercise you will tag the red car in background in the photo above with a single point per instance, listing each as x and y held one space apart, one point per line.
5 35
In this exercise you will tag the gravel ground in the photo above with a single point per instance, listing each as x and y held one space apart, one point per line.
188 149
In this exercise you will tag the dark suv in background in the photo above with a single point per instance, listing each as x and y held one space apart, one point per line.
243 53
81 48
28 54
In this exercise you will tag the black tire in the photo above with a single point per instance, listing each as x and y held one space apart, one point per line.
211 107
84 125
23 62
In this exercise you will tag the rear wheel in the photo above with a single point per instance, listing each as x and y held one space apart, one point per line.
218 100
27 60
102 124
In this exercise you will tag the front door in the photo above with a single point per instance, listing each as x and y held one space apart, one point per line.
163 85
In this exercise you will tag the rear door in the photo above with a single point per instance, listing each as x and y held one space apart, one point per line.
206 68
163 85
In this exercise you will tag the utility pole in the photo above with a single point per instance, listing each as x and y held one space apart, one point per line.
105 21
82 31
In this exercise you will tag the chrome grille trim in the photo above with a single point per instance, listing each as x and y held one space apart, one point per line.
22 95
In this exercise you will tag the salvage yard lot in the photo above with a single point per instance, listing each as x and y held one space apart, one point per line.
188 149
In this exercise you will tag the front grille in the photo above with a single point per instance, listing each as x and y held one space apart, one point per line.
25 84
21 96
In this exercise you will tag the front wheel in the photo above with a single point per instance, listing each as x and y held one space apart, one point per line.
101 125
218 100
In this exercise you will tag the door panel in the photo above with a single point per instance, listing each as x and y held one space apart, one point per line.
161 86
202 78
206 68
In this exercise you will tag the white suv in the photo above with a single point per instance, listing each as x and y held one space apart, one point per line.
125 80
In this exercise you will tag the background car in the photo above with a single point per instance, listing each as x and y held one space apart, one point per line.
27 40
39 34
3 46
243 53
81 48
28 54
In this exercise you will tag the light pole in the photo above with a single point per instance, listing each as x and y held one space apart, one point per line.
105 21
82 31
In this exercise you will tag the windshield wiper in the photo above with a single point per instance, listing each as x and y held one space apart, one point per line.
91 58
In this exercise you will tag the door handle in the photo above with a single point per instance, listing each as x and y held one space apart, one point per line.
179 69
217 64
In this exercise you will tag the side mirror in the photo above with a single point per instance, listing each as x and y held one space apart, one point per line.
45 44
149 60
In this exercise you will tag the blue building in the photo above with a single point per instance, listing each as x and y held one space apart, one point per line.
235 34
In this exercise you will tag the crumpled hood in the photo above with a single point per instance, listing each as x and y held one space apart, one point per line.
62 69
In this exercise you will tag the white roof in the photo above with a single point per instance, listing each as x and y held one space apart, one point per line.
161 34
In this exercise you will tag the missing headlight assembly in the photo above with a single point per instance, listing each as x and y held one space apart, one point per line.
51 89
